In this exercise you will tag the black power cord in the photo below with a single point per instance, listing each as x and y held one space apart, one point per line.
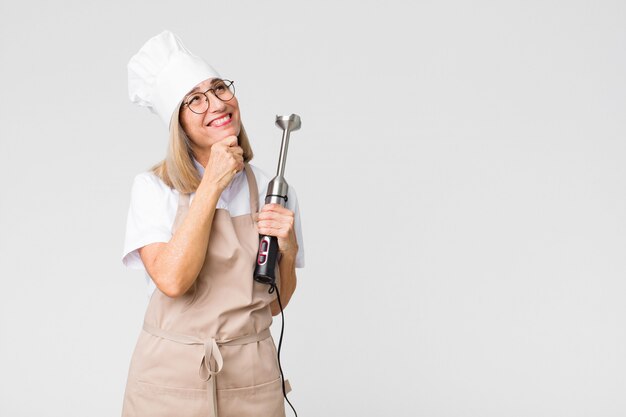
273 288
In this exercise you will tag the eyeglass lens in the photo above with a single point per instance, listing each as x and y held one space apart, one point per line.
199 102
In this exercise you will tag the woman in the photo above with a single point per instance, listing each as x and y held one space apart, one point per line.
205 348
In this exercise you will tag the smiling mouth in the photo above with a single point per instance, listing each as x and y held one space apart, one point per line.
221 121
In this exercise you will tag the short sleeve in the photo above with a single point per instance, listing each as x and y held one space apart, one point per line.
149 218
292 204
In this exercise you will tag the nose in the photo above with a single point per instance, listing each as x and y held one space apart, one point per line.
215 104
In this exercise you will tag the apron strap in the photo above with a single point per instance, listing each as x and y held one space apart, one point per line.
254 190
212 361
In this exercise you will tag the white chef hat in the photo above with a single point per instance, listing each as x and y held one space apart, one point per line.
162 72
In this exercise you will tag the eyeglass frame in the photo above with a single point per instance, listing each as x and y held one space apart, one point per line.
208 101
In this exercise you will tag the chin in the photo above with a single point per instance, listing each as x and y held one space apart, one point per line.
235 130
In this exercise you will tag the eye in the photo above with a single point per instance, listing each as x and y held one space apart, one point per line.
194 99
219 88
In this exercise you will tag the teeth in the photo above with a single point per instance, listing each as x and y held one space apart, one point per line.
220 121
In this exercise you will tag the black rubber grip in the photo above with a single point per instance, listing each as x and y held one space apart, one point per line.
267 255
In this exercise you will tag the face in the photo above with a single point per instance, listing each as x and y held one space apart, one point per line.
219 121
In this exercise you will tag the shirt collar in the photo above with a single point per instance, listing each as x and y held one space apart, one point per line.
199 167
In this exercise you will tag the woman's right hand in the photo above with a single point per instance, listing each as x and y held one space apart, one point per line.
225 161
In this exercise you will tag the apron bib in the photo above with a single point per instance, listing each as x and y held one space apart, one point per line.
209 352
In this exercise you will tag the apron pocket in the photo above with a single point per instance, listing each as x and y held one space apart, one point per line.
161 390
263 399
163 401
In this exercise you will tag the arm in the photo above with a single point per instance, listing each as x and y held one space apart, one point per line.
174 266
275 220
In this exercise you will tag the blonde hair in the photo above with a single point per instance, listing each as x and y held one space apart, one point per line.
177 170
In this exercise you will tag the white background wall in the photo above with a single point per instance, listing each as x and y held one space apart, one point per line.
461 175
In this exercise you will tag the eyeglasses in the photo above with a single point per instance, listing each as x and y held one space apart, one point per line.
199 102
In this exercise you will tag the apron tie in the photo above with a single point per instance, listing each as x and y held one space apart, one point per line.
212 355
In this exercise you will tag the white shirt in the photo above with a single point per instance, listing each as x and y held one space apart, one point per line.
153 208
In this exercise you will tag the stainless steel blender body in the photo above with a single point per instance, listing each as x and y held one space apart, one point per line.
277 189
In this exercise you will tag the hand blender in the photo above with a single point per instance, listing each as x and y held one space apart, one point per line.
264 272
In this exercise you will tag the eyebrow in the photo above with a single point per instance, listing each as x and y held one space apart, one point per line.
213 82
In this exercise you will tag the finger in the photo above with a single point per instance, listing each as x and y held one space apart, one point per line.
277 208
229 141
273 215
278 235
270 214
286 221
281 233
235 149
271 207
276 222
270 224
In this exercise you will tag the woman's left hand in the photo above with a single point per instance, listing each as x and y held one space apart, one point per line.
275 220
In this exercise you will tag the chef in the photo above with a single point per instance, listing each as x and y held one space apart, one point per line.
193 225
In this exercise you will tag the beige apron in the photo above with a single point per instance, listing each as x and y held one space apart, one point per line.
210 351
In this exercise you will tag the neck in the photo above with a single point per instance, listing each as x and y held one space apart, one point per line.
202 156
